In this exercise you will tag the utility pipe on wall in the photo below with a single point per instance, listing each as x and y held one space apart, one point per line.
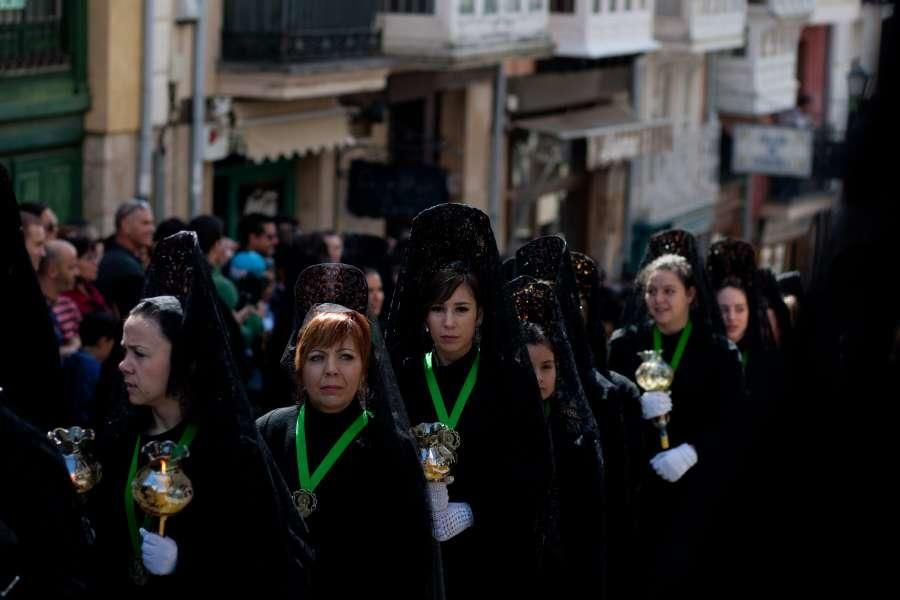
195 179
144 176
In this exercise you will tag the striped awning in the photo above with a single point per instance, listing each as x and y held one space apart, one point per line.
267 133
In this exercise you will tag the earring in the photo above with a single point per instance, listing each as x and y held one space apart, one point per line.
363 393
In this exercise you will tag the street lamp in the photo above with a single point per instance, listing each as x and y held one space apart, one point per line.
857 80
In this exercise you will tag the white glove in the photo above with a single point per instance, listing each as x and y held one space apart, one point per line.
437 495
655 404
451 521
672 464
160 554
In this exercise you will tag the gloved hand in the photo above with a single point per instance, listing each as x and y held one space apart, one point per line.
655 404
159 554
437 494
451 521
673 463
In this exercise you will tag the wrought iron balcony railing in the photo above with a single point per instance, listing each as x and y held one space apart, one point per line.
283 31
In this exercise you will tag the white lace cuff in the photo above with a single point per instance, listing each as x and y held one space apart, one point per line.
437 495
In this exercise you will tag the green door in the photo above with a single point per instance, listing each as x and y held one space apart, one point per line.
240 184
52 177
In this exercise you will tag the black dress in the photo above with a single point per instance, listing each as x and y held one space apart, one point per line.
707 395
41 540
488 464
239 536
371 522
227 545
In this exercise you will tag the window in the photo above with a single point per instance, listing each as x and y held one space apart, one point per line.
535 5
562 6
490 7
612 5
467 7
628 5
513 6
598 6
408 6
34 37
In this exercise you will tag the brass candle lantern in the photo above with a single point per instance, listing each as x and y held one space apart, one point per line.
655 375
84 472
161 487
437 445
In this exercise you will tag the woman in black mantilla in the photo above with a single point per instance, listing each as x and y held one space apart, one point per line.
459 358
751 504
575 556
239 535
345 451
613 399
42 541
683 484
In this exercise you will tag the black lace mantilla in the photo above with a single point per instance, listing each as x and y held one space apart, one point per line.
677 241
326 283
731 259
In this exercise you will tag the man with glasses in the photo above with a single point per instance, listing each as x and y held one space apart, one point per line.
46 215
121 274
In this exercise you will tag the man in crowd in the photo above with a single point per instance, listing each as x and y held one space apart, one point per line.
121 275
35 238
56 274
257 237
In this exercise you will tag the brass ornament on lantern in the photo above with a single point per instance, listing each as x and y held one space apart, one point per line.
437 445
655 375
84 472
161 487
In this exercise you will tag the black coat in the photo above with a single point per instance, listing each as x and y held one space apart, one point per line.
371 529
494 474
229 543
41 537
120 277
707 396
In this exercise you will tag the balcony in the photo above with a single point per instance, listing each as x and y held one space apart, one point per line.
600 28
283 50
299 32
828 12
787 9
464 32
33 39
700 25
760 78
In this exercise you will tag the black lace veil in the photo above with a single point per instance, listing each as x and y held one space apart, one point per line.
587 277
337 287
733 263
548 259
576 518
704 312
30 370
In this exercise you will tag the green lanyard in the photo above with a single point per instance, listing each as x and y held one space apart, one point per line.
745 355
679 348
308 482
438 399
186 438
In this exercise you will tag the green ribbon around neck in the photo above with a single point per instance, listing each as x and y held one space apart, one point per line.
679 347
450 420
310 482
185 440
